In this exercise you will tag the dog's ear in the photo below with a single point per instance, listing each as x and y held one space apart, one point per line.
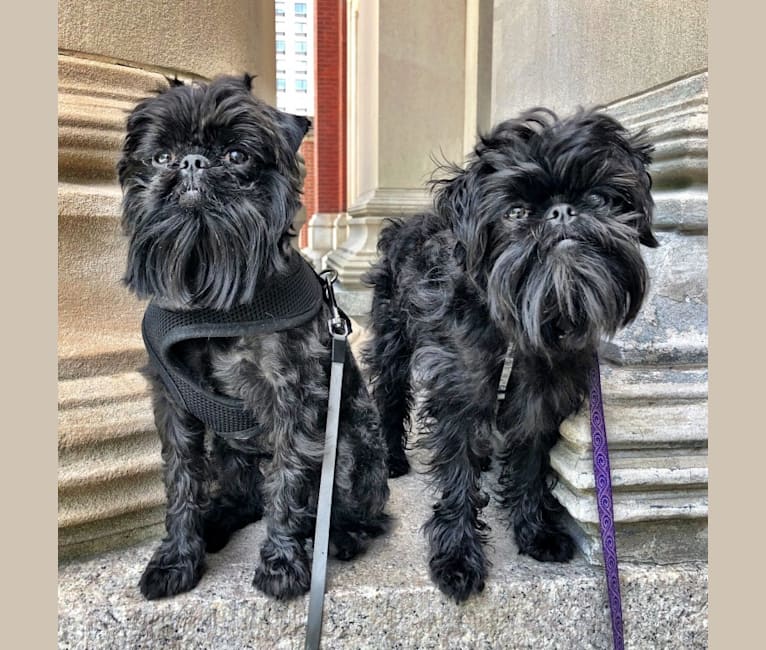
294 128
174 82
247 80
455 198
641 149
634 151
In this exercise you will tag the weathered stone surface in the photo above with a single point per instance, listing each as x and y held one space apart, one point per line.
385 599
227 36
563 54
109 486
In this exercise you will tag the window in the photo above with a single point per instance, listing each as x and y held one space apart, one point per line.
301 85
280 46
281 83
300 47
301 29
279 8
301 65
300 9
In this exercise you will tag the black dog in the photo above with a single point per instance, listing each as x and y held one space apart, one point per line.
535 243
211 183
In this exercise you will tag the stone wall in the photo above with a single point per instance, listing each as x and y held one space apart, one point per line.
110 56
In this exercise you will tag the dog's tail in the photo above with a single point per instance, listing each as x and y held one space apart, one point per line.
389 234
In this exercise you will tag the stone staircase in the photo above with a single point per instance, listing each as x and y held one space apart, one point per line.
385 599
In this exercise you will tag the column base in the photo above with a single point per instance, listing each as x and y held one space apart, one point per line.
656 426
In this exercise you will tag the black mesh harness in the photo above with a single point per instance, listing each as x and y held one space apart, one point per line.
289 300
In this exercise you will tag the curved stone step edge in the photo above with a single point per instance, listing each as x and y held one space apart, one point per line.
102 389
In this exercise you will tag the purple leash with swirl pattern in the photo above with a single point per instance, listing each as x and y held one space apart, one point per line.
602 473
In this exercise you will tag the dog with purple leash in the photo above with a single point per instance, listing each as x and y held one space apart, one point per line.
534 243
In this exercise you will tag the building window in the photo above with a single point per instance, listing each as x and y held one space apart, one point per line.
300 9
301 47
301 29
281 83
280 46
279 8
301 85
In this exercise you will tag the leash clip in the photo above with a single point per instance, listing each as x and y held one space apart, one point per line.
339 324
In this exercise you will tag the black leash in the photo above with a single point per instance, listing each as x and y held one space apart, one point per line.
340 328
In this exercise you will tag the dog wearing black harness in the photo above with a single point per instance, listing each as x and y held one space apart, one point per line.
238 340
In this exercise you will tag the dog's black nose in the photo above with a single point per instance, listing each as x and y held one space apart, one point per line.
194 163
561 212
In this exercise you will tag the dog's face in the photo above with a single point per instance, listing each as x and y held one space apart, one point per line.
549 216
211 183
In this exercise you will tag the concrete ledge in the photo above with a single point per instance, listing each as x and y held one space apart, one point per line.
385 599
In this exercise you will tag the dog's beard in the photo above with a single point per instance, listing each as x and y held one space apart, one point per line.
214 253
555 291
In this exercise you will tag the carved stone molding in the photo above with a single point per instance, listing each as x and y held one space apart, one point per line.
109 488
654 372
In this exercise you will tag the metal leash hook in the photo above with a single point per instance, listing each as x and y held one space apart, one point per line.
340 327
339 324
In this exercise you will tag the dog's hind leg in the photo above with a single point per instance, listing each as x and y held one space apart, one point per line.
388 358
238 501
537 401
361 473
178 563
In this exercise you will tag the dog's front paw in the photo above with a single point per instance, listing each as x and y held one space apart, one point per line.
284 571
167 576
282 580
547 545
398 465
459 572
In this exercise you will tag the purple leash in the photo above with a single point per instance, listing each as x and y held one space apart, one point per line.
603 477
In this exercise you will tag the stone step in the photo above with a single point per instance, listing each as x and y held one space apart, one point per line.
385 599
646 470
109 487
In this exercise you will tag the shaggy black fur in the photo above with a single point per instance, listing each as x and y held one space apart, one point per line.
534 243
211 183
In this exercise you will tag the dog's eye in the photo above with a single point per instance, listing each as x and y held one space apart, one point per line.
595 199
518 212
236 157
162 158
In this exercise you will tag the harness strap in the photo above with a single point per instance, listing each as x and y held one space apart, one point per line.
602 473
286 301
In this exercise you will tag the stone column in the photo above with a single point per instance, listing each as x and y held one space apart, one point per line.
649 68
110 56
407 107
